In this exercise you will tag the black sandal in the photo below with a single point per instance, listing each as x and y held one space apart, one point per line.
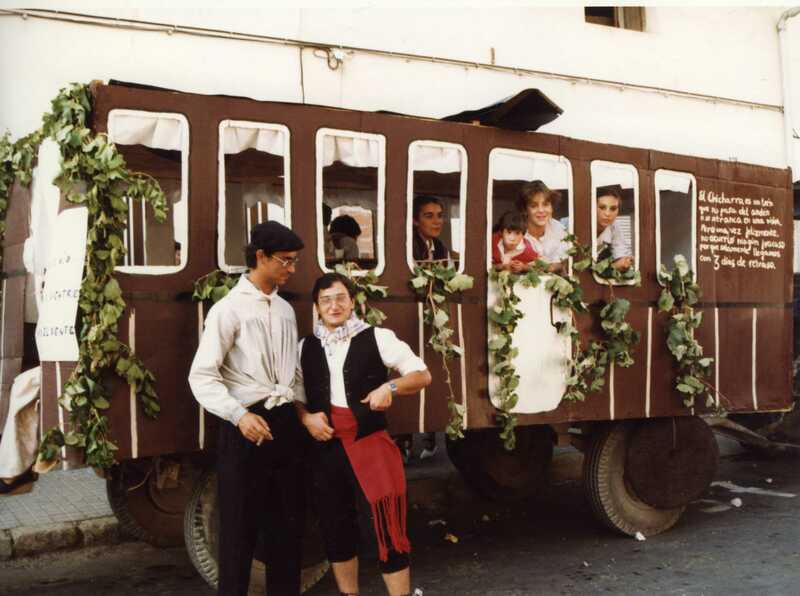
19 485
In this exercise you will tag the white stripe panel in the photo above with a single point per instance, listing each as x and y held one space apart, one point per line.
201 433
463 364
649 362
59 393
716 355
611 393
2 333
40 403
144 233
755 327
421 355
134 423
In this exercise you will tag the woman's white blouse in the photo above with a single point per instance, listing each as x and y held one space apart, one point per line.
551 246
395 353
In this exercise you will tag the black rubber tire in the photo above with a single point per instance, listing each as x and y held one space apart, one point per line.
498 474
129 488
610 497
200 537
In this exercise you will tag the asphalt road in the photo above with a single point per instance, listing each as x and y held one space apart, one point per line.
549 545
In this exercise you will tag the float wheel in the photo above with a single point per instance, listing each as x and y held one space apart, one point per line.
145 511
640 475
495 473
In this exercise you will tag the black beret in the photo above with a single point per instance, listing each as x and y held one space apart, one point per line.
273 237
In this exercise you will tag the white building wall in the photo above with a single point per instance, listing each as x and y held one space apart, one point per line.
731 53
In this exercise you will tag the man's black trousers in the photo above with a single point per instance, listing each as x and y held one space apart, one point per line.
261 500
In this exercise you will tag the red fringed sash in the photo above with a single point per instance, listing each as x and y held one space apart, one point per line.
378 466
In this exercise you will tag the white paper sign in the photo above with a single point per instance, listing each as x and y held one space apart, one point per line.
56 339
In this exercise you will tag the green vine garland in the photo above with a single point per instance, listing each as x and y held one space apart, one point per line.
679 295
367 287
434 281
93 174
587 365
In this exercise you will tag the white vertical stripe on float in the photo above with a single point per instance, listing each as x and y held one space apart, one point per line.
144 234
463 364
40 403
611 392
2 333
201 433
260 212
755 326
134 424
421 355
716 355
649 362
59 392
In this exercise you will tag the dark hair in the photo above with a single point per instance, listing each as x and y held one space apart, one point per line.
327 213
513 220
610 191
270 237
347 225
326 281
531 189
421 200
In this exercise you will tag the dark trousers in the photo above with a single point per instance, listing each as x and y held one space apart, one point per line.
261 500
339 500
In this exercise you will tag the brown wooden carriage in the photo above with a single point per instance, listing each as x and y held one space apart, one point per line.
747 326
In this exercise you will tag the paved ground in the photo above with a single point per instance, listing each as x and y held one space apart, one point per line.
59 496
549 545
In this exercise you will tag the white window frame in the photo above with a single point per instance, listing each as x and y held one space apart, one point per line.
636 256
381 194
184 237
462 200
287 195
490 199
693 263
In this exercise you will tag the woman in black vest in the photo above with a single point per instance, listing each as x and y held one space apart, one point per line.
344 365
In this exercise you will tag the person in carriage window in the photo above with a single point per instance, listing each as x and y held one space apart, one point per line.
510 249
344 236
428 222
344 367
545 234
611 240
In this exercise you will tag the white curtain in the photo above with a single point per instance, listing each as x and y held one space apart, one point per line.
366 199
603 175
353 152
241 138
443 160
674 182
151 130
553 172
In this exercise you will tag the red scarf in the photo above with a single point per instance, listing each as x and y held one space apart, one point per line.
378 466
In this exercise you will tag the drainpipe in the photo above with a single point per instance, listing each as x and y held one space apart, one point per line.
786 80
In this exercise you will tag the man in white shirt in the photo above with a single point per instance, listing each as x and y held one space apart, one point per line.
244 373
344 366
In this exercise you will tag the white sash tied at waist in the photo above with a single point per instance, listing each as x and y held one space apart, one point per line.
278 395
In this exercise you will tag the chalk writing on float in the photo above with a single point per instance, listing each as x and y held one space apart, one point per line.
56 331
739 232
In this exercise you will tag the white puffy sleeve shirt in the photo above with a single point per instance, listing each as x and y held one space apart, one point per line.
247 354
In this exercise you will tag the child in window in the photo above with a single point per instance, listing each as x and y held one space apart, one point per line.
510 249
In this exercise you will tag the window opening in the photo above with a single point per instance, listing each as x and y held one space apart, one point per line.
538 187
676 197
156 144
622 17
615 208
254 184
350 198
437 191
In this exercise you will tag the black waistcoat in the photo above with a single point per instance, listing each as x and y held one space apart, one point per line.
363 371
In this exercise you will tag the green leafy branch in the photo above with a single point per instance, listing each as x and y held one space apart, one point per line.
214 286
367 287
678 297
434 281
93 174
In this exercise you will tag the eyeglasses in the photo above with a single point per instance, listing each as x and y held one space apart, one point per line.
288 261
339 299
